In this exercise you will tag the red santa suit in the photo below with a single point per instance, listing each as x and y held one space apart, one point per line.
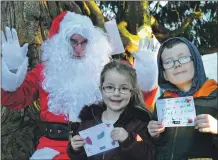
61 83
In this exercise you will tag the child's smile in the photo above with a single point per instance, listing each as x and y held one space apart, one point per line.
179 73
114 99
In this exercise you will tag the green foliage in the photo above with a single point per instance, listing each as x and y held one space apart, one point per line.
200 16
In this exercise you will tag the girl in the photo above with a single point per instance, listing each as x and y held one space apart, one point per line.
181 73
122 106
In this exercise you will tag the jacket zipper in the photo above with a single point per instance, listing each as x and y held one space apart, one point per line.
174 141
118 121
103 156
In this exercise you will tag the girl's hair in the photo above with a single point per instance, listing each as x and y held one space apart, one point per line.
136 99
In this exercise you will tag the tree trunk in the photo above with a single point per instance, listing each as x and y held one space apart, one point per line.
19 131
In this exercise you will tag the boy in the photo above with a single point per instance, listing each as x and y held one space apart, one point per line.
181 73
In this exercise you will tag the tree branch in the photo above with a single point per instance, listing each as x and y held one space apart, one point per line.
188 20
205 51
158 30
86 8
146 13
70 6
96 13
130 41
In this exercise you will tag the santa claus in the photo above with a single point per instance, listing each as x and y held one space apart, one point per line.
68 78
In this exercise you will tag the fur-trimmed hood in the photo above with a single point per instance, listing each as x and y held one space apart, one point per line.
94 111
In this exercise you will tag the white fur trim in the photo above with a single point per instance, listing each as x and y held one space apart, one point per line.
76 24
11 81
147 72
44 154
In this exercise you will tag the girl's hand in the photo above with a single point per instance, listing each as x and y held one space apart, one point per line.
119 134
155 128
77 142
206 123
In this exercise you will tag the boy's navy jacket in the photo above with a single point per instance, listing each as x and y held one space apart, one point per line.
182 143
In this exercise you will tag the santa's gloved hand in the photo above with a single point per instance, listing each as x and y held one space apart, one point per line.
146 49
146 64
13 55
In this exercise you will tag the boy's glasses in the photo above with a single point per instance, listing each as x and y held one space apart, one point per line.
75 43
182 60
111 89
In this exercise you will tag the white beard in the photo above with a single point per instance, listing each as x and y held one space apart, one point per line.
72 83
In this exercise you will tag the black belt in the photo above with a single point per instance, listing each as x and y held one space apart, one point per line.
55 131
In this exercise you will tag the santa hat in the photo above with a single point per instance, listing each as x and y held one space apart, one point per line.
69 23
56 24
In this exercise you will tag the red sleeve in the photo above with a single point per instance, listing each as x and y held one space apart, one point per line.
27 93
149 98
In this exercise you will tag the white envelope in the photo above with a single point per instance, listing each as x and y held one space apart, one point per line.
114 37
176 112
98 139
